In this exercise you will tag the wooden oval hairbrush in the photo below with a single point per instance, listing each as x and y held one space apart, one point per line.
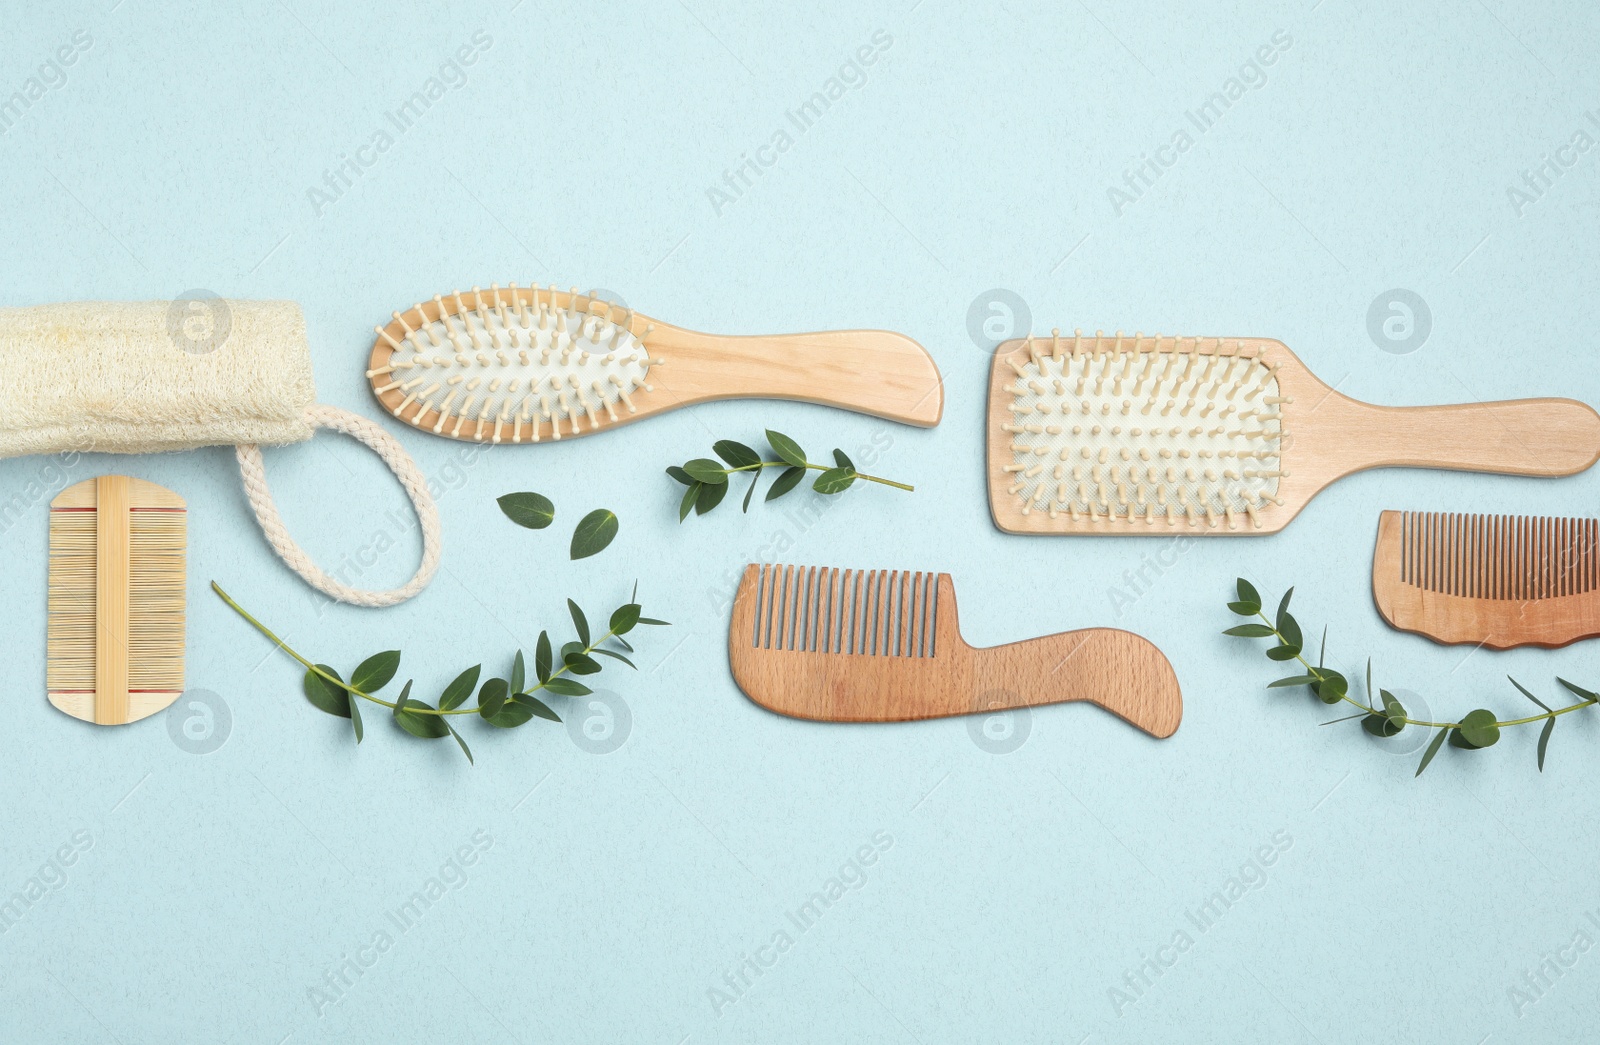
529 364
1144 435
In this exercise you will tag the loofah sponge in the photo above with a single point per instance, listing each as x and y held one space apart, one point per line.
140 377
147 376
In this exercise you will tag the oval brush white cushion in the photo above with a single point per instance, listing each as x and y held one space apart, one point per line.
145 376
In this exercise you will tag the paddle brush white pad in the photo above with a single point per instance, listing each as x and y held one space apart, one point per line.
145 376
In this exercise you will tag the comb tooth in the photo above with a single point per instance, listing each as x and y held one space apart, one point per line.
933 616
858 621
802 607
842 607
755 629
797 636
764 605
914 621
885 623
858 609
814 599
897 583
824 610
782 609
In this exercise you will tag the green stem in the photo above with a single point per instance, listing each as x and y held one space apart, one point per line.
280 644
819 468
1413 721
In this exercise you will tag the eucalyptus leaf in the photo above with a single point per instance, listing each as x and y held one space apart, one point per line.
786 448
535 511
324 695
624 619
680 475
541 657
457 692
690 495
579 622
509 715
652 620
834 480
465 750
355 719
614 655
842 461
1250 631
1433 749
705 470
594 532
1293 680
787 480
1479 729
519 674
1283 653
1289 628
1530 696
1588 695
1249 603
581 664
709 497
492 697
375 672
1544 739
428 727
1379 725
537 707
562 686
1331 688
736 454
755 478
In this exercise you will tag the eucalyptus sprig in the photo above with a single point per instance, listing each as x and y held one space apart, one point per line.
708 480
503 702
1384 715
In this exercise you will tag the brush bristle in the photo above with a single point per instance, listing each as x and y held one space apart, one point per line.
157 539
1499 557
1140 430
514 366
890 613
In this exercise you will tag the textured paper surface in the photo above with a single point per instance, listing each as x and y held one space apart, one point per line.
609 894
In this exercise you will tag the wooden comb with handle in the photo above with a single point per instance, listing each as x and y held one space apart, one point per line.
1499 581
116 613
529 365
1141 434
884 646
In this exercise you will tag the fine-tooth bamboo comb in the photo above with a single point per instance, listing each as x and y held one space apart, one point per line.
1140 435
524 365
884 646
1499 581
115 636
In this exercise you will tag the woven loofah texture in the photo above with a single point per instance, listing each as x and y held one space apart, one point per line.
147 376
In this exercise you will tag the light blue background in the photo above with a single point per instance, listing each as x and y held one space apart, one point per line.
619 889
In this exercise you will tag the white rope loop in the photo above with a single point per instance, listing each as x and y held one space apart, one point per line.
252 470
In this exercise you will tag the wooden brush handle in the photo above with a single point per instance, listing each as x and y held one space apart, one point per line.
1543 437
869 371
1116 670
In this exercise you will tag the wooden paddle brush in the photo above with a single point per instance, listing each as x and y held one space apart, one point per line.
519 365
1499 581
884 646
1139 435
116 613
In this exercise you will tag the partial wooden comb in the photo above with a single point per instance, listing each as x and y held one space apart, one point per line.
1499 581
884 646
115 637
1137 434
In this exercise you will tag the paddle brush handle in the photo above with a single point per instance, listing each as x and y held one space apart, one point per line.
1540 437
1116 670
869 371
